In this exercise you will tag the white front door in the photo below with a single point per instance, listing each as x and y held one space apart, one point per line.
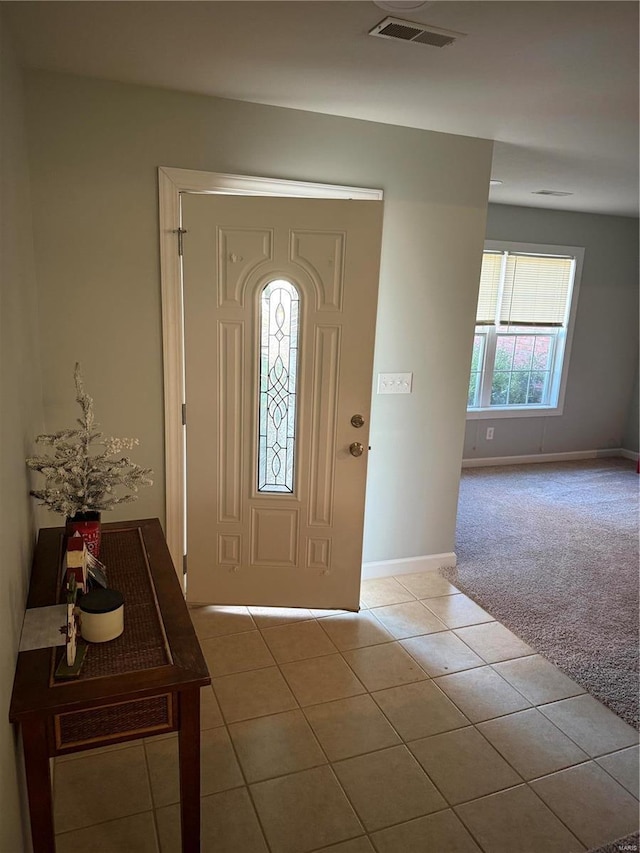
279 310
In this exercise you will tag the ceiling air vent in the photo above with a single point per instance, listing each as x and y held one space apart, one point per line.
549 192
396 28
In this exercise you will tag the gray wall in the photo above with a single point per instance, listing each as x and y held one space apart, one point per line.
94 151
20 421
631 440
598 411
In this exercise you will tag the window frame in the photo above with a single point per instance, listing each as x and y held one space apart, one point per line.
562 346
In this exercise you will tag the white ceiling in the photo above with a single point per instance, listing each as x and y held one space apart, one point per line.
554 83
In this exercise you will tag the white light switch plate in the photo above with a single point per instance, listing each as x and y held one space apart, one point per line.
394 383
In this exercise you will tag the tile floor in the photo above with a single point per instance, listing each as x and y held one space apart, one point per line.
419 724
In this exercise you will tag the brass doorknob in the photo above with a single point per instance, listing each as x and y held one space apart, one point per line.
356 449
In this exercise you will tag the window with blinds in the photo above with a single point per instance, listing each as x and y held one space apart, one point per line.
523 319
523 290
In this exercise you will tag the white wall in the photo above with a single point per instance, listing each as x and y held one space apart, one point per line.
94 150
599 411
20 421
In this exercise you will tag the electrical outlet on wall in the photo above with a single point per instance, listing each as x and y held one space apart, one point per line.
490 433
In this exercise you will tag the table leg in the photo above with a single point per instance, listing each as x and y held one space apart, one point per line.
189 744
36 761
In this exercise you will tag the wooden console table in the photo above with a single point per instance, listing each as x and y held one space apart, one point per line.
143 683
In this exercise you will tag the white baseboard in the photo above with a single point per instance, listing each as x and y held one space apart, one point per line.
630 454
408 565
567 456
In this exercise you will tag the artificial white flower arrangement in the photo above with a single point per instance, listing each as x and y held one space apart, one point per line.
81 478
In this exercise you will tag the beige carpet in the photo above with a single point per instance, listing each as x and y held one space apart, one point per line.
551 550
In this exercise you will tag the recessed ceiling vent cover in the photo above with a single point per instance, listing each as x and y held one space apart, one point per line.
396 28
550 192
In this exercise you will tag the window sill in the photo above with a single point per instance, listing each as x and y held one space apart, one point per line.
509 412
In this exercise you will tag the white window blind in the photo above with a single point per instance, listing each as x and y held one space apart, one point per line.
527 290
535 290
489 288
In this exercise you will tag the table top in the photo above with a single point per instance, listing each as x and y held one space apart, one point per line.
158 650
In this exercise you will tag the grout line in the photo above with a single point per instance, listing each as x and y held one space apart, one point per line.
527 784
247 788
107 822
156 828
470 830
608 772
154 806
336 844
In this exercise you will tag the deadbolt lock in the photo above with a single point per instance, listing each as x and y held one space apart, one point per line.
357 421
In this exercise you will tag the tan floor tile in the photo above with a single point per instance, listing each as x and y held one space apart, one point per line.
516 820
228 825
275 745
304 811
440 654
380 591
236 653
350 727
137 832
219 769
463 765
388 787
537 679
592 804
531 744
321 614
410 619
493 642
355 630
419 710
298 641
356 845
268 617
456 611
253 694
108 786
436 832
210 714
428 584
388 665
321 679
87 753
156 738
482 694
591 725
624 767
217 620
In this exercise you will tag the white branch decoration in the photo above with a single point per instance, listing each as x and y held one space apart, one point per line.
80 478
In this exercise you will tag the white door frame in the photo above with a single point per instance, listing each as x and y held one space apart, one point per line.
172 182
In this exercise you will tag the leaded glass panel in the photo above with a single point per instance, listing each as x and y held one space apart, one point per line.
279 328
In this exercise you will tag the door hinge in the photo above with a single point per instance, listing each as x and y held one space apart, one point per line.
184 564
184 414
180 232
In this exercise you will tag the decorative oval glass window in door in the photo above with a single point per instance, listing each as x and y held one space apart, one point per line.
279 329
